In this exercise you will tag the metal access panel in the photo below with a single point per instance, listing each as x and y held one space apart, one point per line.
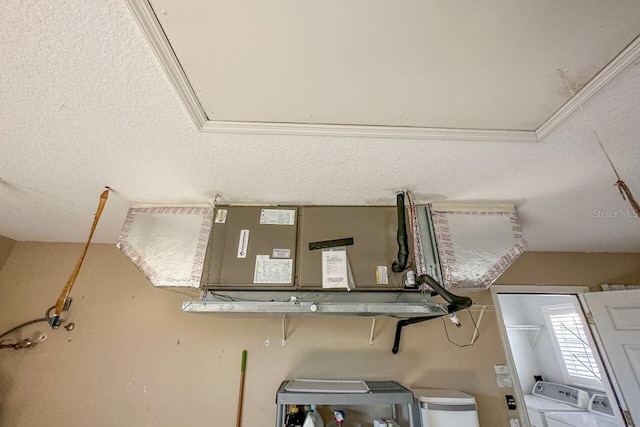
251 247
373 230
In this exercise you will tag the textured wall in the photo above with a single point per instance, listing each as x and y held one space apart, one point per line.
135 359
6 246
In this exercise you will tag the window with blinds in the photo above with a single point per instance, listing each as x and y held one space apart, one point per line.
572 344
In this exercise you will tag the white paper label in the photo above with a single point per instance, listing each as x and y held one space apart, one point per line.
334 269
221 216
243 244
281 253
503 376
272 270
278 216
382 276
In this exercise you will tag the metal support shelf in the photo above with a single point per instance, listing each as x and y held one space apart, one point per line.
381 393
359 303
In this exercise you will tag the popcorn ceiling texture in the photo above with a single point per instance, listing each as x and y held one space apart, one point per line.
85 104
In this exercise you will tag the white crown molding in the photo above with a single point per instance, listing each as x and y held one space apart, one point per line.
152 29
438 134
628 55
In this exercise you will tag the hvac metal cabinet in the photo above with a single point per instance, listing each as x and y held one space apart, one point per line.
381 392
226 267
229 281
373 230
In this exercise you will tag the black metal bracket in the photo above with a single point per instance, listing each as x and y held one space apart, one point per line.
330 243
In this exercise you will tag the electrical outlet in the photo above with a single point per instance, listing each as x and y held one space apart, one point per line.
514 422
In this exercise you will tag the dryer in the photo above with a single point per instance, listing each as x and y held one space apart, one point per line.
551 397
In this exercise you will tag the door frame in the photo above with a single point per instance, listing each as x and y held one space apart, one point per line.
525 289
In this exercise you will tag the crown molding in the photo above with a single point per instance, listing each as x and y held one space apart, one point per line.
152 30
628 55
363 131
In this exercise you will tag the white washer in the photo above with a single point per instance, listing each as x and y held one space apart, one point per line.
599 414
538 407
579 419
550 397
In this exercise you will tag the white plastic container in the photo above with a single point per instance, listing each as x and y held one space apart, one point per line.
447 408
313 418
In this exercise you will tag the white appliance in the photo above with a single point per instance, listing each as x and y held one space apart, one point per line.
547 397
447 408
599 414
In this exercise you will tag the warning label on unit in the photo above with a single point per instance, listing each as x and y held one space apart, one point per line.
272 270
278 216
221 216
382 276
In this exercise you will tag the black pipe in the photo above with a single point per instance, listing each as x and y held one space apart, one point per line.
458 302
403 241
405 322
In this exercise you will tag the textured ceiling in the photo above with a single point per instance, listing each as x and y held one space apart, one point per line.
85 104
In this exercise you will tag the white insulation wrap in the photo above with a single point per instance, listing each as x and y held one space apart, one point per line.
476 243
168 245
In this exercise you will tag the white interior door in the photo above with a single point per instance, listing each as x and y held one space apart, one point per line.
617 322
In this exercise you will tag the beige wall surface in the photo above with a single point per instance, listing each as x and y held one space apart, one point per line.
568 268
6 246
134 359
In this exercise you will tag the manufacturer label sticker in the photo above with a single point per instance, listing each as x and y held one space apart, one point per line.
272 270
281 253
243 244
278 216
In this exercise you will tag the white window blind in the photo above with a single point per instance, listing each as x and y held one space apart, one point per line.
573 344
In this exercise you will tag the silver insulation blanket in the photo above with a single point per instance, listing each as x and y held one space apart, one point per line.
168 245
476 243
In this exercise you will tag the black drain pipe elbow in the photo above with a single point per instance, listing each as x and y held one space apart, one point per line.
456 302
